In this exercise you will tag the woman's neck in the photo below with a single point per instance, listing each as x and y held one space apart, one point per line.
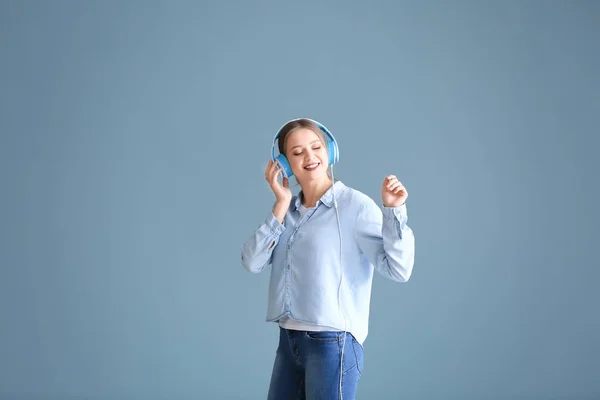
312 192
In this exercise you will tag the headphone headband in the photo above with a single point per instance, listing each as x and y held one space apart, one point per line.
320 125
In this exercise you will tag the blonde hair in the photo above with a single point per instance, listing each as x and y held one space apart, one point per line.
294 125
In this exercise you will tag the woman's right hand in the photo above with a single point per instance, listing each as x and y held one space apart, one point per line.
282 191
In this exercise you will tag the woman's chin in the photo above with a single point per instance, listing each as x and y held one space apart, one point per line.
312 176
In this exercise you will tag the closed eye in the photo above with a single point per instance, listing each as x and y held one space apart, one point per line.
300 153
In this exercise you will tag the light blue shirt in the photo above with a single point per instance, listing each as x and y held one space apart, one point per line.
304 255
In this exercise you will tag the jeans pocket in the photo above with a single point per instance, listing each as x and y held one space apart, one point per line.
324 336
358 353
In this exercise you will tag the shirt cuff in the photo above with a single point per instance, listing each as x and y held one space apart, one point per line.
399 212
274 224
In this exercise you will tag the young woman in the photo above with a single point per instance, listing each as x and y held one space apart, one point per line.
323 246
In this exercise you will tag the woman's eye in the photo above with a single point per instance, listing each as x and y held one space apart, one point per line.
316 148
297 154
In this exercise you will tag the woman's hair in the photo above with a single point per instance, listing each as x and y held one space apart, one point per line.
295 125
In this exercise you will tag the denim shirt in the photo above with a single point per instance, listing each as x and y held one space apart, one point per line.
304 255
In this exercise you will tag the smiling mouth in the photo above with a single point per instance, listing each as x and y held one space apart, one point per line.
312 167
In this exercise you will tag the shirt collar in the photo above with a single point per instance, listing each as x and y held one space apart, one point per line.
327 197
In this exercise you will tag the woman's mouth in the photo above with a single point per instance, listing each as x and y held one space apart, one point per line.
312 167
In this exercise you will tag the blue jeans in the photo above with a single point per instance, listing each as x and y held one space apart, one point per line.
307 366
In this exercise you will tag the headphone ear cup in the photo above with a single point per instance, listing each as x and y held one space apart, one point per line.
332 151
287 170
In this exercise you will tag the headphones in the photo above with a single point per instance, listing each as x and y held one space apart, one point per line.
332 148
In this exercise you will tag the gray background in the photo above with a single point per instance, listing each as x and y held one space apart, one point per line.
134 136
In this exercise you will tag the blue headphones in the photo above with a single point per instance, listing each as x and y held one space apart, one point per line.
332 148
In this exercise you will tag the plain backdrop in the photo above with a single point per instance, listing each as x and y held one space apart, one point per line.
134 136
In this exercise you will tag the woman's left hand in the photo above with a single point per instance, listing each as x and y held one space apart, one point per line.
393 193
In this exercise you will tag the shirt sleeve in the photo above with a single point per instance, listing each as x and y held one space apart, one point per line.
258 250
386 240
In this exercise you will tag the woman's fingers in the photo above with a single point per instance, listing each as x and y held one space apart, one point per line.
394 186
271 171
275 173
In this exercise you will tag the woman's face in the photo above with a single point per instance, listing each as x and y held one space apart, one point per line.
307 155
